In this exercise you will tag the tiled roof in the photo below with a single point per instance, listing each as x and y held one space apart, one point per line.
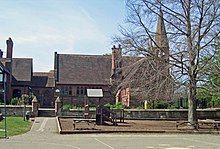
21 68
83 69
43 79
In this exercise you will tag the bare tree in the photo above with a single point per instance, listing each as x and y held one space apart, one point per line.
192 27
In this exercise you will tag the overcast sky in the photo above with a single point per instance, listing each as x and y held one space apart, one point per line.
41 27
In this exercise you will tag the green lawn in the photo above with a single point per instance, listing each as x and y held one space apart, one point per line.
15 126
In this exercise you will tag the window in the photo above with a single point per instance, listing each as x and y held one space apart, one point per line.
70 90
81 91
65 90
62 90
1 76
85 90
77 91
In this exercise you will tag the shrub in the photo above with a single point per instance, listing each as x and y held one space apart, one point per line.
161 104
1 101
118 105
67 107
20 101
108 105
14 101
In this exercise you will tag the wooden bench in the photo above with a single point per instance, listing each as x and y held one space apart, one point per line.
88 121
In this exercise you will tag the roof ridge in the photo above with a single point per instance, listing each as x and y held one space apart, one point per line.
84 55
19 58
41 72
23 58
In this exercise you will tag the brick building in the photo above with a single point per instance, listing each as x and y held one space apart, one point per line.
74 74
22 80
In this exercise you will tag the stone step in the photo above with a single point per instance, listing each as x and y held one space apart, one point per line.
46 112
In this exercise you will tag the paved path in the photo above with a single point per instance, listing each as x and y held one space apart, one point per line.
43 135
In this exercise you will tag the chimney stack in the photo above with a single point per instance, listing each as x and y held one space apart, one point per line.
1 53
9 43
8 65
116 73
116 57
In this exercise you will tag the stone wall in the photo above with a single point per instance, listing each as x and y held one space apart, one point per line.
154 114
12 110
170 114
165 114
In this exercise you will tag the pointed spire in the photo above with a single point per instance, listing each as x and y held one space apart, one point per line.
161 37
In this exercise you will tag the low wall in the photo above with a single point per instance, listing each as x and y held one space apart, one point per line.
166 114
79 113
181 114
12 110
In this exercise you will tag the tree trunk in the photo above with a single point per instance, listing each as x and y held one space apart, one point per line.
192 115
192 102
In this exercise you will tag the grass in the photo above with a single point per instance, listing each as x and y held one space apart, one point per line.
15 126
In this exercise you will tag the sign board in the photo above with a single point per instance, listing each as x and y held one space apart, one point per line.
97 93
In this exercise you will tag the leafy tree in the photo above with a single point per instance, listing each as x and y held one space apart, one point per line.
210 89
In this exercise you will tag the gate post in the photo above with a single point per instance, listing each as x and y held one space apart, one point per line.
58 106
35 107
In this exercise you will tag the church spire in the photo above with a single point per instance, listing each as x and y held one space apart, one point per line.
161 35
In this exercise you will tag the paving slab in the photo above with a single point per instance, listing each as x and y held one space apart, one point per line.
44 135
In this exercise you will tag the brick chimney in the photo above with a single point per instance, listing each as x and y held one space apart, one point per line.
9 43
1 53
8 65
56 66
116 63
116 57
